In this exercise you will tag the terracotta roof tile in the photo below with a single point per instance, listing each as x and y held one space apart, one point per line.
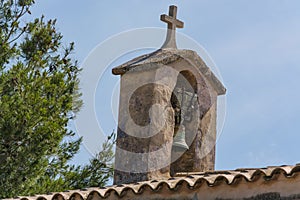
191 180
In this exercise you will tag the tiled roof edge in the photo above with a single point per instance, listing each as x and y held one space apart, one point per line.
192 180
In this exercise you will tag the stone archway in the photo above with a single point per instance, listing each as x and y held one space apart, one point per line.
184 101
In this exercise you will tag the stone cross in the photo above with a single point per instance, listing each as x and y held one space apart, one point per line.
173 23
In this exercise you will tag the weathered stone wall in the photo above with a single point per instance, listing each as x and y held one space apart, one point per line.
146 124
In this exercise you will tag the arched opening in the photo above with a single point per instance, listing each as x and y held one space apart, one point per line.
184 101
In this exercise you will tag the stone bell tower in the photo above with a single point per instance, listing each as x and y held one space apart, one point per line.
167 112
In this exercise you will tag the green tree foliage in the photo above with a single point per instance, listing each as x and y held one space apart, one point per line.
38 97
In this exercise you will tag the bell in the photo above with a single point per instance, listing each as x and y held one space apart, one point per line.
179 140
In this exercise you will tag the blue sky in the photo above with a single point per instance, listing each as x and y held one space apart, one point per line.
255 45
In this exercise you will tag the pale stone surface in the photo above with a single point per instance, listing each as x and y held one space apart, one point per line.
145 127
167 56
147 122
